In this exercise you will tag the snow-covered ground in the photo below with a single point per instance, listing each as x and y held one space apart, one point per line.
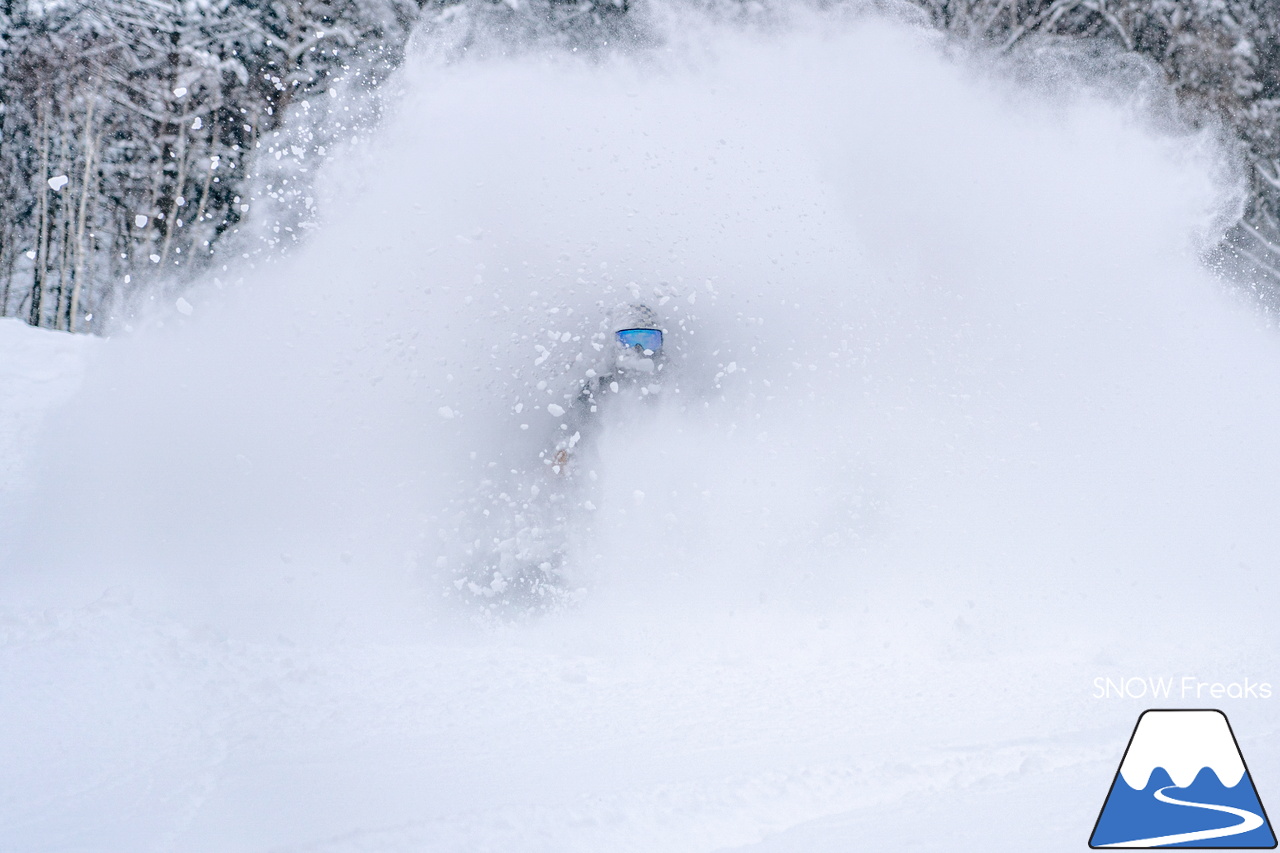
958 424
37 372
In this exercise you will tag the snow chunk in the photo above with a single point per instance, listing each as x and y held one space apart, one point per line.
140 221
58 182
183 306
555 410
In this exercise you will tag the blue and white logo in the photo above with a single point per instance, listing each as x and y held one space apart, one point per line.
1183 783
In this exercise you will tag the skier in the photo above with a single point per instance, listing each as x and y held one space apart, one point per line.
523 567
634 360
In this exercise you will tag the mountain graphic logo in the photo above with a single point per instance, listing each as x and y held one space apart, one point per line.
1183 783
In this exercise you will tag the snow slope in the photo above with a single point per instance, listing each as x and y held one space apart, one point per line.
990 431
37 371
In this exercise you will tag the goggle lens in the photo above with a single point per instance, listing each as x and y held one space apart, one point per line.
647 339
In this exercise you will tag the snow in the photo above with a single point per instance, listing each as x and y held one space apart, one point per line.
37 372
1183 743
993 432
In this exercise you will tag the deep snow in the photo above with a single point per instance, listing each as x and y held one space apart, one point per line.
991 432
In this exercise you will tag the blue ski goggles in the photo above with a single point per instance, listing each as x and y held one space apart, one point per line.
646 339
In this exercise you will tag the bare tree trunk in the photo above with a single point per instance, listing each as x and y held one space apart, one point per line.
145 239
170 222
90 148
38 273
178 152
7 252
208 181
65 247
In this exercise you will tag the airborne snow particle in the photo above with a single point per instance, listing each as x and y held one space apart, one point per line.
555 410
445 412
183 306
140 221
58 182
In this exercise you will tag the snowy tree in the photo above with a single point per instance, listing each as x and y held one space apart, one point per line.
134 134
476 27
1221 58
130 129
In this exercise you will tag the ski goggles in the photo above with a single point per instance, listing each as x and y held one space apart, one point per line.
646 339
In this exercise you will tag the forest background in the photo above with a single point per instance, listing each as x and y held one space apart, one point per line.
138 136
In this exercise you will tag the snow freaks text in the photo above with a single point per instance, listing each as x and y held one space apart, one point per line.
1178 687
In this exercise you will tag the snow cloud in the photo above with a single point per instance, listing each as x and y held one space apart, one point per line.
917 312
